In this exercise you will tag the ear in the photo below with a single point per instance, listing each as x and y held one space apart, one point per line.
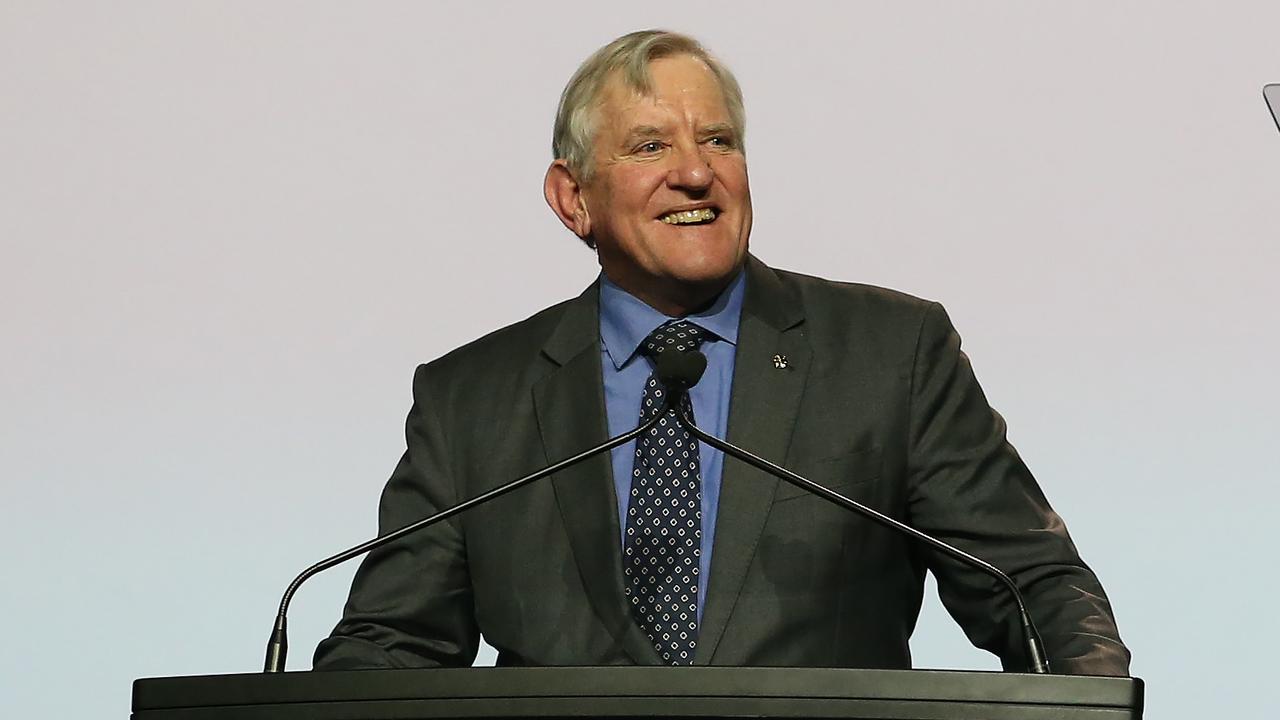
564 195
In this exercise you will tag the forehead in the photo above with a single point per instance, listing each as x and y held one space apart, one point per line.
682 87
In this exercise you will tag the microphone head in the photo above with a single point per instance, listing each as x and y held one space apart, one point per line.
679 371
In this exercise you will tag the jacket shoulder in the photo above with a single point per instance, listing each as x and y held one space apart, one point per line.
505 352
832 301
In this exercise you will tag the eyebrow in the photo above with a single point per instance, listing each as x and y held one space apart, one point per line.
641 132
719 129
645 132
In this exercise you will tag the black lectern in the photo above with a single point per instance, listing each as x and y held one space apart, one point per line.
638 692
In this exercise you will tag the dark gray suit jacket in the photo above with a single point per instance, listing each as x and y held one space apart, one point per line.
876 401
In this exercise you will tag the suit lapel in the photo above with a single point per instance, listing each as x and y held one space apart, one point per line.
762 415
569 403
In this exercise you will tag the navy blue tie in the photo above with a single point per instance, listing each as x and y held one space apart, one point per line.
663 545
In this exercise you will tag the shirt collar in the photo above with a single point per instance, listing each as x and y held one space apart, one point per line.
625 320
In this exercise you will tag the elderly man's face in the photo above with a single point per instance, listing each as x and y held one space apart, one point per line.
669 206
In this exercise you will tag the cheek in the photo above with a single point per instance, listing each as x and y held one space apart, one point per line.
633 187
733 175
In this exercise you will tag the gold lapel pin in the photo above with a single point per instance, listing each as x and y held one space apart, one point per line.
780 362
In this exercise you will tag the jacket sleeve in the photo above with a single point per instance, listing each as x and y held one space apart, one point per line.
968 486
411 602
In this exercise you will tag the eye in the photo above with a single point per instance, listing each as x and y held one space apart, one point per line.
649 147
720 141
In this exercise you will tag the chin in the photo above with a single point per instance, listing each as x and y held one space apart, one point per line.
706 270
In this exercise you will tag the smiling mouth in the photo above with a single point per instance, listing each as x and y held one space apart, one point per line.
699 216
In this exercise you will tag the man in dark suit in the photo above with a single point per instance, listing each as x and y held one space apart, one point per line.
861 389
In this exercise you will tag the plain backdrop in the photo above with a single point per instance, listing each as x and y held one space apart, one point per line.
230 230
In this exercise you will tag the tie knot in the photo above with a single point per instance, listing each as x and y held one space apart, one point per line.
678 335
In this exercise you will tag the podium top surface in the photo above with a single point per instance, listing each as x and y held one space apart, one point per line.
637 692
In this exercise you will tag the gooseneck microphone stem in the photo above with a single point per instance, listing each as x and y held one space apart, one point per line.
680 380
278 645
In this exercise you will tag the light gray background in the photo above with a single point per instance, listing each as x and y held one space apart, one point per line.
231 230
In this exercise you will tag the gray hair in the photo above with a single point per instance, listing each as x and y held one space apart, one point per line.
629 55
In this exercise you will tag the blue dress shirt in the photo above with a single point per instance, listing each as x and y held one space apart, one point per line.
625 321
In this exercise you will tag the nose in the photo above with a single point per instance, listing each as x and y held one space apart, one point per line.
691 170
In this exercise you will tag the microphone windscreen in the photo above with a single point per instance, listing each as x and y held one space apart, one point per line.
680 370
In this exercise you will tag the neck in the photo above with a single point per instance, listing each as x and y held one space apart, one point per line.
677 299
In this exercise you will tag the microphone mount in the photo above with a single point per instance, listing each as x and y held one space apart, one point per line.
278 645
683 376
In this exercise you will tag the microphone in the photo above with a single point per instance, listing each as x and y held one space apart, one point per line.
278 645
681 371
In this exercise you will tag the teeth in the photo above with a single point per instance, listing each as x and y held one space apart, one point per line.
689 216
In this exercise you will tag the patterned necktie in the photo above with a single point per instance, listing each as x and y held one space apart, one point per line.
663 545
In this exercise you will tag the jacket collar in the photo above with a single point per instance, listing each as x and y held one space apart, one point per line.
569 402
